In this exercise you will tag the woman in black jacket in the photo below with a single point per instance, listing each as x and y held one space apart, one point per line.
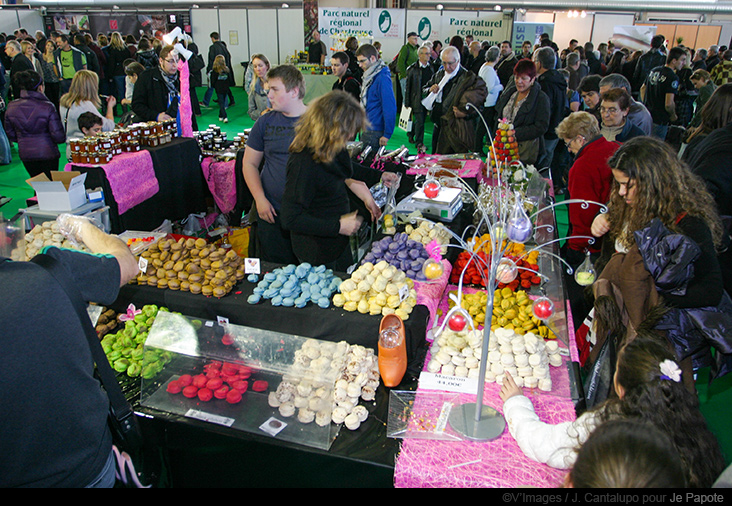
527 107
118 53
316 203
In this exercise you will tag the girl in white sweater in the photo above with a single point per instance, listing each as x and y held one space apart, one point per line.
649 388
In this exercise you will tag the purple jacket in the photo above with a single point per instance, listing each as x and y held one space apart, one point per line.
33 122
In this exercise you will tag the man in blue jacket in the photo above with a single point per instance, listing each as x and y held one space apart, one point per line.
377 97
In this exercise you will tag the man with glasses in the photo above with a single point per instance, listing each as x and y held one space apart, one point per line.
450 90
157 90
377 97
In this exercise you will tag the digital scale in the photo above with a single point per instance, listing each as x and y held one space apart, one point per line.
444 207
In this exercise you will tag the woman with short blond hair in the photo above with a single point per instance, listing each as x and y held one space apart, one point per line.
589 178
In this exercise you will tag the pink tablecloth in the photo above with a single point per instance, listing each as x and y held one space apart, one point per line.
471 168
221 181
131 177
497 463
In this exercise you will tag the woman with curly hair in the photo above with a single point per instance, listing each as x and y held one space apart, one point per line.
664 235
649 389
651 183
316 204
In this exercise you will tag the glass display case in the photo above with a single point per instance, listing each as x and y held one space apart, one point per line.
247 379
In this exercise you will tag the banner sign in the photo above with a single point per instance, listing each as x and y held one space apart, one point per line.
338 22
483 26
531 32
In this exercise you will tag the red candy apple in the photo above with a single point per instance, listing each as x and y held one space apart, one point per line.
543 308
457 322
431 189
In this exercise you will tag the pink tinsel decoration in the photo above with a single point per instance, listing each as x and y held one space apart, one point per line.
184 108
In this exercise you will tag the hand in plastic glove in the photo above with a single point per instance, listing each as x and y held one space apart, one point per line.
70 226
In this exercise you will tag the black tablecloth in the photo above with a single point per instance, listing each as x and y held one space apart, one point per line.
183 189
183 452
331 324
198 454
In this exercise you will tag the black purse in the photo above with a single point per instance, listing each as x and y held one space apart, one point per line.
598 384
123 423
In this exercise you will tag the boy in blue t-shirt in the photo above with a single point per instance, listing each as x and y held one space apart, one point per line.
268 145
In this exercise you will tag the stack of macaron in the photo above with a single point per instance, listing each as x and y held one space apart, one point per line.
295 286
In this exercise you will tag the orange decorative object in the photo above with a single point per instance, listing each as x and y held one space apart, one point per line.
392 350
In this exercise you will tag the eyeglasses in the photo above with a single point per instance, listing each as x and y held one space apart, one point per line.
609 110
361 61
173 60
449 62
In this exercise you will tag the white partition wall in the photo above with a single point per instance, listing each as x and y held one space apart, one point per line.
605 24
30 20
235 31
263 35
566 29
291 32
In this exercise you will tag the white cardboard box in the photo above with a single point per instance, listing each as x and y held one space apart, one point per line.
65 192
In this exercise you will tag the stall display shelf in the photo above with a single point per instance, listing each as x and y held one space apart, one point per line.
452 460
225 375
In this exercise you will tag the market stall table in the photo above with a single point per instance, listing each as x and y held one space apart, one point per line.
497 463
144 188
202 454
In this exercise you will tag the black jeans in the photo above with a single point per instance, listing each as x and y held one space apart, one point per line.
273 243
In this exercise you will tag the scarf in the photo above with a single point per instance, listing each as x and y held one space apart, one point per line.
368 78
429 101
185 109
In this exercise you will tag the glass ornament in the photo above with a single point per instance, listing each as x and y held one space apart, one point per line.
518 225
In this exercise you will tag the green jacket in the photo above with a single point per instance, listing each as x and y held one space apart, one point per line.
407 56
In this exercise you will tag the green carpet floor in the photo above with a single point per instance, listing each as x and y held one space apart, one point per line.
715 399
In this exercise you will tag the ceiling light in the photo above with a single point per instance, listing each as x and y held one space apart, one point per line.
439 7
497 8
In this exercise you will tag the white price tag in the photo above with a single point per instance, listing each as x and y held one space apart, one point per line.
222 320
252 266
403 293
432 381
272 426
142 264
210 417
209 323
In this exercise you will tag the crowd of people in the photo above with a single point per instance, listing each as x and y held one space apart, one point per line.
48 82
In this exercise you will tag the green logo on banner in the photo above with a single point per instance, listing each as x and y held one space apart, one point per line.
384 21
424 29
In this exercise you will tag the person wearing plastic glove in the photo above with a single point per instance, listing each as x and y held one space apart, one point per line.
54 417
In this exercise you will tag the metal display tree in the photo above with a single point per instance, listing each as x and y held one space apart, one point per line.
504 214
